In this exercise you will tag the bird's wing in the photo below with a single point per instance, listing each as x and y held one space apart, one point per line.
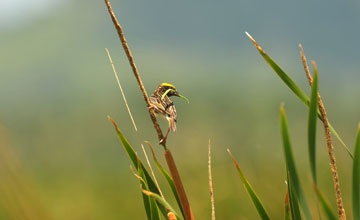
157 104
171 111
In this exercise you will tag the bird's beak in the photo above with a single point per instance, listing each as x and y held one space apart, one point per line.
181 96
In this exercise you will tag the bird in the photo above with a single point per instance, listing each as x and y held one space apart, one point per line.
163 106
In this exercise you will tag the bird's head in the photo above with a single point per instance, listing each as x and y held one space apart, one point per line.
168 89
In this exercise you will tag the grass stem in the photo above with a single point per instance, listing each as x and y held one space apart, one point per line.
324 119
133 122
135 71
169 159
211 186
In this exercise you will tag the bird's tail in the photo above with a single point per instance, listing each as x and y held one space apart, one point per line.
172 124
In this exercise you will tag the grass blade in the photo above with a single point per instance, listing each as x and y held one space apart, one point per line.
155 215
147 206
312 126
329 213
294 201
133 157
334 132
137 163
285 78
151 208
287 206
293 87
168 178
356 178
290 165
161 201
255 199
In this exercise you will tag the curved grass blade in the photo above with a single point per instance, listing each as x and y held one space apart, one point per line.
294 201
137 163
293 87
161 201
312 126
165 93
255 199
183 97
356 178
167 177
329 213
290 165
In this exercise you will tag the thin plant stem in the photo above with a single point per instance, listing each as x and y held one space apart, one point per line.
324 119
136 72
133 122
211 189
169 159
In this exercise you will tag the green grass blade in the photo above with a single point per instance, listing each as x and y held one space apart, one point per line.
334 132
160 200
290 165
137 163
285 78
356 178
132 155
255 199
168 178
294 201
155 215
147 206
293 87
146 199
329 213
287 206
312 126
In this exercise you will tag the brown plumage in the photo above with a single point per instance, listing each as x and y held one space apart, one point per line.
163 106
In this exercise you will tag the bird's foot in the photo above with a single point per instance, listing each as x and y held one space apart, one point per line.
151 106
163 141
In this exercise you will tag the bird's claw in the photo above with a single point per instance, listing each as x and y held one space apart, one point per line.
151 107
163 141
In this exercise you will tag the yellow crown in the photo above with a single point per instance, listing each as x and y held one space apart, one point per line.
168 84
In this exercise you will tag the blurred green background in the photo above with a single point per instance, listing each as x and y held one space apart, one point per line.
60 155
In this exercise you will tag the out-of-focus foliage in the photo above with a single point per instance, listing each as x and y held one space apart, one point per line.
57 88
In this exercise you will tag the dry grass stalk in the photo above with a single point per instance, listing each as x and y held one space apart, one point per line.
169 159
133 122
324 119
135 71
211 186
